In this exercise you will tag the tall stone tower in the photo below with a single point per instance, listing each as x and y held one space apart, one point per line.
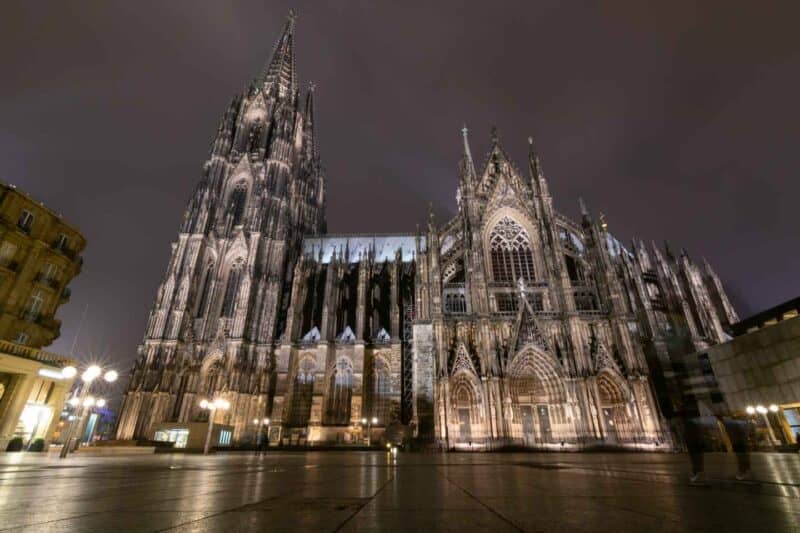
223 299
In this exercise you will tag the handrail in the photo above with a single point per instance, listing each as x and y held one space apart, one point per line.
33 354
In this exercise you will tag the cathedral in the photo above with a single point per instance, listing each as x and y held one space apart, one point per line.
508 325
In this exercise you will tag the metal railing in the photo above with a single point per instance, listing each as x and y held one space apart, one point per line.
25 352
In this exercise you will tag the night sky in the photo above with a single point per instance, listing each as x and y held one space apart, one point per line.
678 120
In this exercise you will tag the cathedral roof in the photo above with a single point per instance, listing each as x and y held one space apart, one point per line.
357 246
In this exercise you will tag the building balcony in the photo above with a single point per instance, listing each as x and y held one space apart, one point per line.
33 354
58 247
46 281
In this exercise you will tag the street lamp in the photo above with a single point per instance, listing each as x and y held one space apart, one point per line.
83 400
211 407
261 423
369 423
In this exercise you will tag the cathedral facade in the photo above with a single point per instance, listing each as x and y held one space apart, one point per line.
509 324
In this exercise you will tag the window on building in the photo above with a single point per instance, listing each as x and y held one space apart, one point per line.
341 390
49 272
574 269
511 254
508 302
381 391
232 290
585 301
25 220
302 395
237 202
455 303
35 304
62 242
21 338
205 290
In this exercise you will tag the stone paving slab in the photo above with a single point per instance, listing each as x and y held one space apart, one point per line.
375 491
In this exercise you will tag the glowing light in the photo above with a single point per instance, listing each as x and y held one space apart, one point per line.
203 404
69 372
91 373
773 408
255 421
266 421
750 409
219 403
761 409
111 376
51 374
100 403
74 402
89 401
374 420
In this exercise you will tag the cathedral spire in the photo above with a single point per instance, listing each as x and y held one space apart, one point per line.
537 176
279 75
469 166
308 116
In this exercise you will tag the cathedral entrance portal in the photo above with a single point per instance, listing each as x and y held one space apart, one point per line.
464 426
544 422
536 388
614 408
528 436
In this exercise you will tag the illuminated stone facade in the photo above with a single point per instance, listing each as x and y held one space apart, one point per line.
508 325
39 256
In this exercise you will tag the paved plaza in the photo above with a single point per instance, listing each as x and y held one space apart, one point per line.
374 491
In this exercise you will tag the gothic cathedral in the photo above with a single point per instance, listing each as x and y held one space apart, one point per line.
508 325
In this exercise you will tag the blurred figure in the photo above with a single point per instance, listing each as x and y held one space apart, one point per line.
740 431
689 416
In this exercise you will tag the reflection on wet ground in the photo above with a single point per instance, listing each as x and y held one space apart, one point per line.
374 491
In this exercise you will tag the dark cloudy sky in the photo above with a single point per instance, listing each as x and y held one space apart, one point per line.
679 120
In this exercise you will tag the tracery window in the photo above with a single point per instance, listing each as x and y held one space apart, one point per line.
381 390
302 395
341 390
237 202
511 254
205 290
232 290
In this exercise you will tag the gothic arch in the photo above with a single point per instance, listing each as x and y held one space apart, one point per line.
380 389
302 392
510 232
612 388
536 375
466 403
340 392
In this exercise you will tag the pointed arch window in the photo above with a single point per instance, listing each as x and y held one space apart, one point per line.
340 393
381 391
237 202
511 253
302 395
232 290
205 290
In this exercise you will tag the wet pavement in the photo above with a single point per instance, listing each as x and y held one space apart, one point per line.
374 491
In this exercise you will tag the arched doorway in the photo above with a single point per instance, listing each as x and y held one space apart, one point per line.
538 398
465 401
615 408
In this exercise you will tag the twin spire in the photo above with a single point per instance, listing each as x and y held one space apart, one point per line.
280 74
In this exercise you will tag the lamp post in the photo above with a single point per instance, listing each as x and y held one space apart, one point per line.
211 407
760 409
84 401
261 436
369 422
